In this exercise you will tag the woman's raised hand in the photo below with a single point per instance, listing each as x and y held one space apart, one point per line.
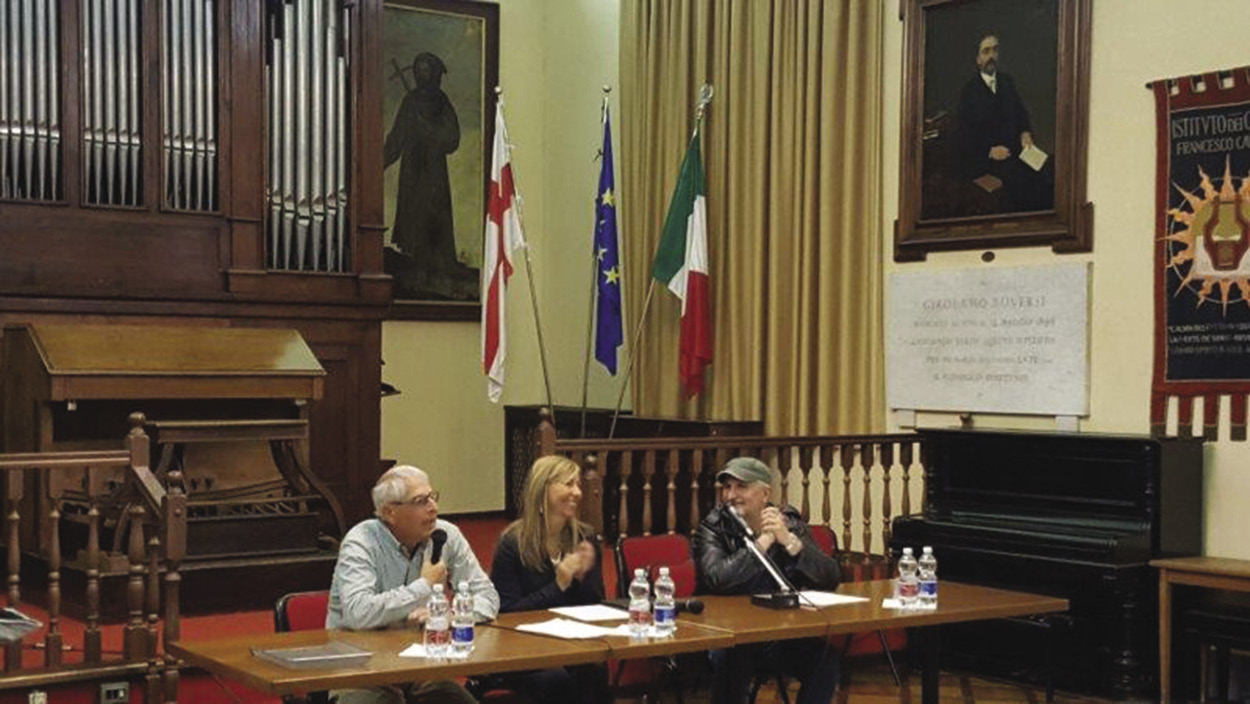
586 551
568 569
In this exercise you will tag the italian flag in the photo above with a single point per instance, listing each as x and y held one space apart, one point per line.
681 265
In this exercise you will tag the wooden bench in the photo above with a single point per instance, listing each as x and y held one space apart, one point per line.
1207 572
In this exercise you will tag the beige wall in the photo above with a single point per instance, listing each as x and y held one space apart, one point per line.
1134 41
555 56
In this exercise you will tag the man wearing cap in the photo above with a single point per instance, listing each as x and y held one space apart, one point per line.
726 566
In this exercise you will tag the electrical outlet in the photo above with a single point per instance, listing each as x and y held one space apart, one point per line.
114 692
37 696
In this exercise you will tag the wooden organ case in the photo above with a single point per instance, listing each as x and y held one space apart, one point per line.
236 391
210 164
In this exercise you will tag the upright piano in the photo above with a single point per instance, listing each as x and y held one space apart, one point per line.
1064 514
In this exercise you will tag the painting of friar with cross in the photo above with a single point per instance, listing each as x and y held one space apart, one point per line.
440 66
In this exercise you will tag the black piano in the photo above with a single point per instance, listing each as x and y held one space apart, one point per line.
1074 515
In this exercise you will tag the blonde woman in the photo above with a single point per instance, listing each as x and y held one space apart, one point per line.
548 558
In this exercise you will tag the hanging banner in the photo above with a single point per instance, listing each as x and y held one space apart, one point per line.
1202 235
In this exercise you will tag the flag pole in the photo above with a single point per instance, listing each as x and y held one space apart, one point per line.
529 274
594 278
629 364
705 97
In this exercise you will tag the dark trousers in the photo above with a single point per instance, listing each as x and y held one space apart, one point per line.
443 692
1026 189
576 684
812 661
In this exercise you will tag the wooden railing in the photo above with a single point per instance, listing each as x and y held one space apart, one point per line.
152 524
855 484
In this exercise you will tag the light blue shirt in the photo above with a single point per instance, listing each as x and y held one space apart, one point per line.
376 584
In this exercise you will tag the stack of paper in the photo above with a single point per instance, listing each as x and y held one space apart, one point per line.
566 628
416 650
591 612
14 624
823 599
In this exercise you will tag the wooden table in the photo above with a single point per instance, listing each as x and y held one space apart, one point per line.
957 603
495 650
1210 572
499 647
687 638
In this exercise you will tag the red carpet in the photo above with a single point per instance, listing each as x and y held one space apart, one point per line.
198 686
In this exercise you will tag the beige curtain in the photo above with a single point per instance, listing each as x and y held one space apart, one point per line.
792 154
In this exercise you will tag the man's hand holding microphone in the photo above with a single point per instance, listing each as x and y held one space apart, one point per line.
433 571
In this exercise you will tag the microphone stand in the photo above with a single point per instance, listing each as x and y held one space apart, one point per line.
786 597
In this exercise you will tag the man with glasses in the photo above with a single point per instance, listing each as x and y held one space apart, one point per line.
726 566
993 131
384 576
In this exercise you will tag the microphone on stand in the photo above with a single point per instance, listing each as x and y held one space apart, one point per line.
733 511
786 597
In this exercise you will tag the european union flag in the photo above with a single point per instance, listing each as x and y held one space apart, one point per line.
608 332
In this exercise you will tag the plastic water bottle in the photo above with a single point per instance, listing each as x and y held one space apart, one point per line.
639 604
665 607
927 598
437 626
908 584
462 622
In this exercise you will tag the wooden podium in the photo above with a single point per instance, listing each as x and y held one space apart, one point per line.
227 406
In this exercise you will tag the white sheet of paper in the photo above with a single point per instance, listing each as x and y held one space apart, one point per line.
623 631
891 604
566 628
823 599
1034 157
416 650
592 612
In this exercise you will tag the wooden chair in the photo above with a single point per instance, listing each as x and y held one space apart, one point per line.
651 552
301 611
828 541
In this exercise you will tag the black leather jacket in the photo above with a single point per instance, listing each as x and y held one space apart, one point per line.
726 566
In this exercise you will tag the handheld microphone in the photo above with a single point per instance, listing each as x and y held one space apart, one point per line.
691 606
437 539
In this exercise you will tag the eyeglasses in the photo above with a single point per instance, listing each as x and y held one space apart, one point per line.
421 500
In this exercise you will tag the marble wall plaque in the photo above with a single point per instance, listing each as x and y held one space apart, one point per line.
993 340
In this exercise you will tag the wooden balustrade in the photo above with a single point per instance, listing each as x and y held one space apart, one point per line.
666 485
154 526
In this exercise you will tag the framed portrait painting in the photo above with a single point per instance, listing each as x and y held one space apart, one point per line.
995 113
440 66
